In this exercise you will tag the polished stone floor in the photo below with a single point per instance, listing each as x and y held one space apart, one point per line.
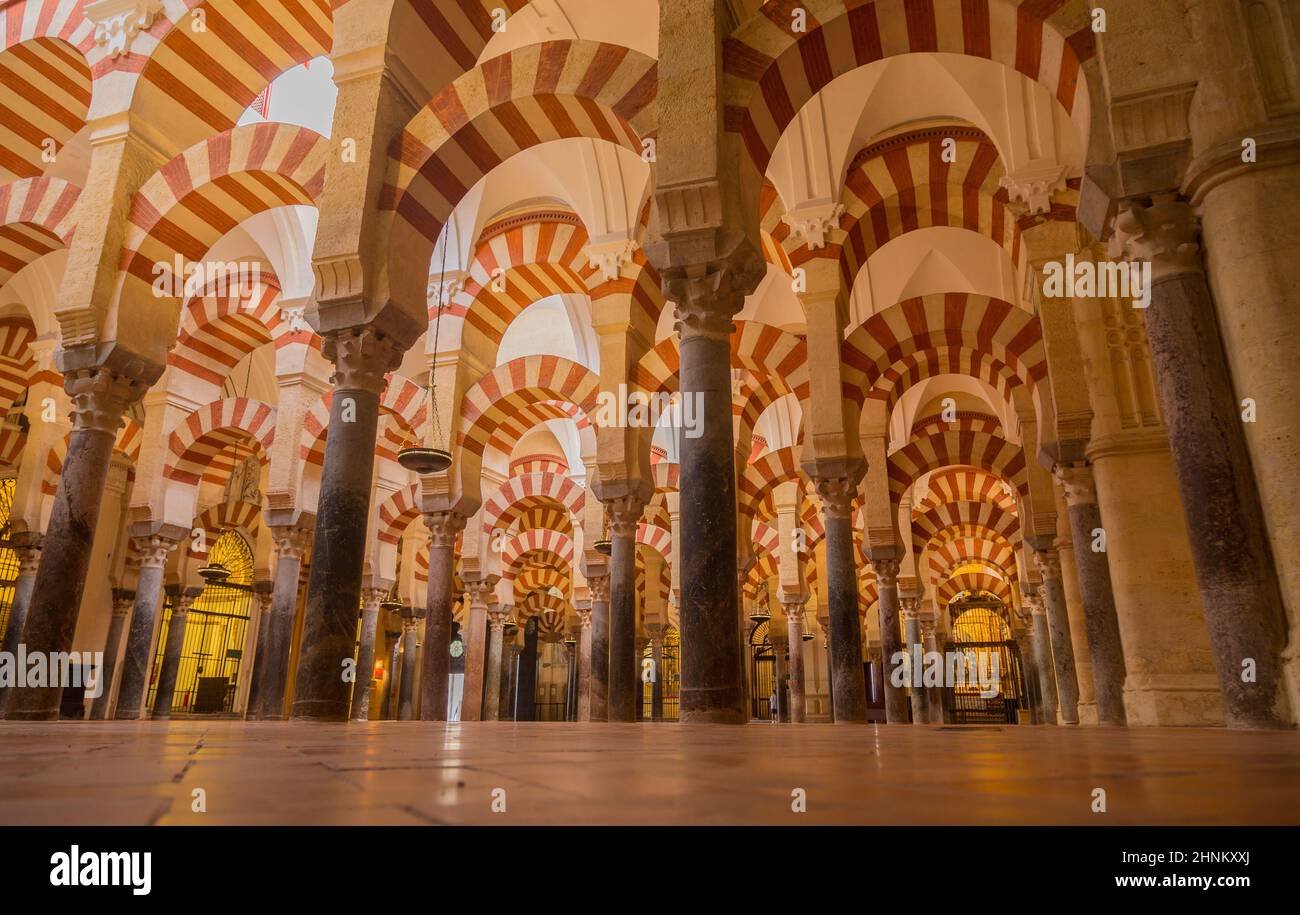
428 773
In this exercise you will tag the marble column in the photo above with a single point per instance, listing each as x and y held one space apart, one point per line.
136 661
657 685
527 703
624 515
492 670
271 662
1093 568
584 664
1052 588
411 617
794 614
891 638
122 601
371 598
712 690
599 680
848 684
570 679
171 660
393 639
824 624
1029 669
100 398
910 609
1235 569
361 357
443 528
28 548
1041 644
933 694
480 591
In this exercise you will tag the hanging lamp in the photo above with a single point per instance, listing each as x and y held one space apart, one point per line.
431 459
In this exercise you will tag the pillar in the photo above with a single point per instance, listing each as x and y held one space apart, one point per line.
100 398
361 357
366 652
848 686
1235 571
480 592
443 529
599 680
527 705
28 547
934 694
1074 605
891 639
271 663
1105 647
411 617
1058 626
171 660
794 613
824 624
492 669
910 609
657 684
122 601
392 638
584 664
153 552
1040 640
624 515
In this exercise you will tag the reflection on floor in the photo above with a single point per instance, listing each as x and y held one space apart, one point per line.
428 773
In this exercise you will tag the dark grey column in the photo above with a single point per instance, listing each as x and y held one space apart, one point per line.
712 689
1235 569
794 636
271 663
848 685
511 668
393 639
1040 640
366 652
624 515
599 681
28 547
443 529
361 357
263 596
171 661
910 607
122 601
1029 668
571 679
100 398
136 660
933 694
657 685
526 708
824 623
492 668
411 617
1048 563
891 638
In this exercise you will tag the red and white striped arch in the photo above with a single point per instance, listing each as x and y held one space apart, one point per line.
953 553
761 477
498 396
197 447
972 581
967 518
36 218
954 484
127 443
773 71
17 365
403 415
518 493
553 545
396 514
225 516
47 88
893 337
657 538
505 436
534 578
967 443
761 349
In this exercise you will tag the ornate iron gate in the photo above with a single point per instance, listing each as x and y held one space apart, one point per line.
762 670
966 705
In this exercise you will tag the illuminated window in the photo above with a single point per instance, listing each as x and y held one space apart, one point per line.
8 558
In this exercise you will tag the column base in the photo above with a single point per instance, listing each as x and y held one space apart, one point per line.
1173 700
1087 714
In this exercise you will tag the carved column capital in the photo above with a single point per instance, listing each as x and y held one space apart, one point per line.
837 495
1033 603
584 617
362 357
480 591
1078 482
100 398
910 607
29 553
599 586
886 572
443 528
123 601
291 541
624 513
1048 563
794 611
708 296
1164 234
373 596
497 617
152 551
181 605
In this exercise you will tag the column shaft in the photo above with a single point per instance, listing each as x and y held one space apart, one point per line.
443 528
891 639
1102 622
1058 627
848 684
136 660
122 601
1041 640
171 661
492 671
366 655
584 666
599 680
271 672
623 668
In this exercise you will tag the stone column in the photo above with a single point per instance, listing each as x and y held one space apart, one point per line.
361 357
910 609
492 671
1093 568
891 639
388 708
712 688
1074 605
28 547
584 664
598 688
1041 645
848 686
794 636
657 685
528 673
411 617
171 661
570 679
443 529
136 661
100 398
271 663
624 515
122 601
1225 524
366 653
480 591
824 624
1029 669
1058 625
933 694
